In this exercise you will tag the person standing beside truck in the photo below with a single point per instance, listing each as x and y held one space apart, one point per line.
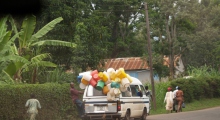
75 98
148 93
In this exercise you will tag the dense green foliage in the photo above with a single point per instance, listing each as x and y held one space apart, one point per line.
101 29
108 29
203 82
56 76
197 88
57 104
193 88
22 53
56 101
54 98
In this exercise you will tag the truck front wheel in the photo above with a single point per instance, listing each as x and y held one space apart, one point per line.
144 115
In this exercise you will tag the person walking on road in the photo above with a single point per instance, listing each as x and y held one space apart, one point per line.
169 99
75 98
175 105
33 104
179 98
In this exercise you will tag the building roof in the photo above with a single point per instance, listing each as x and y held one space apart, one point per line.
130 63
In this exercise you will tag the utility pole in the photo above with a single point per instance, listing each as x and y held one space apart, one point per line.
150 55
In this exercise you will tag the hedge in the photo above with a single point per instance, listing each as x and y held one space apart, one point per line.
197 88
54 98
57 105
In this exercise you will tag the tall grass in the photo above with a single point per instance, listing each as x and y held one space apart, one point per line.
203 71
160 91
57 75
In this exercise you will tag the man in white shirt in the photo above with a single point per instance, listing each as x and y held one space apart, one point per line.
33 105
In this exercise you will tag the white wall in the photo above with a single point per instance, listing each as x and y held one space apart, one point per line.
142 75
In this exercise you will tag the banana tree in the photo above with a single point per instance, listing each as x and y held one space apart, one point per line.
6 51
29 48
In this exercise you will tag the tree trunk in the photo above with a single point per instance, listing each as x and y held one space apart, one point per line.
17 76
170 47
34 76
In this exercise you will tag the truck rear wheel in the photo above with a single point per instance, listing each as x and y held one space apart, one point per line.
117 118
127 115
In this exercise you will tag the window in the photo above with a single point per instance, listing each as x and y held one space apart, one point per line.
91 91
134 90
142 89
127 93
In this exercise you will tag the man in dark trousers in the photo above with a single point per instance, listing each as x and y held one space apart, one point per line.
75 98
148 94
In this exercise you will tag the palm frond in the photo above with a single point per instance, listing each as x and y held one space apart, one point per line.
7 78
3 26
3 65
4 40
28 27
2 82
40 57
15 58
14 28
14 49
54 43
47 27
32 65
44 64
14 37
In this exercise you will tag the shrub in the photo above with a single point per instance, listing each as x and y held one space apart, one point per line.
54 98
199 87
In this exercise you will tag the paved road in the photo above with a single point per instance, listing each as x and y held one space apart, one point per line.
206 114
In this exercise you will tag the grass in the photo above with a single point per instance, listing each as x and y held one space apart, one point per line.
195 105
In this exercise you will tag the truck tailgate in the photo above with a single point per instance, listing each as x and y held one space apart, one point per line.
100 105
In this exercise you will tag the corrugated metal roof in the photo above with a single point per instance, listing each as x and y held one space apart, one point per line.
131 63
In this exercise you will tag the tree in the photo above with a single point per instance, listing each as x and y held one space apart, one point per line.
171 22
118 18
30 46
72 12
6 52
202 42
117 26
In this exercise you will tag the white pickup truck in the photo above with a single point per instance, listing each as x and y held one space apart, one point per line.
128 104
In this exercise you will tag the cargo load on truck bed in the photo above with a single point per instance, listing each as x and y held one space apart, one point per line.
113 95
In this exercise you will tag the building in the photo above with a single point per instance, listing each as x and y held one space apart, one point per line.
178 65
134 66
